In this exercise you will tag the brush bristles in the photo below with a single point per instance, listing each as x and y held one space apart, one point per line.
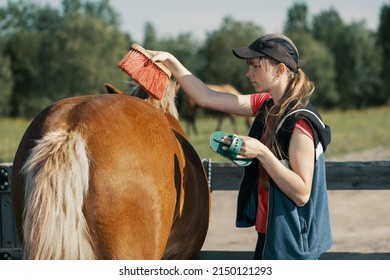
148 75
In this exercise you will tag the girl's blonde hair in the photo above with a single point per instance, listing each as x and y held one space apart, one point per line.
297 95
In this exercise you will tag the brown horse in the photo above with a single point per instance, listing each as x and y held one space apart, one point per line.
109 177
189 110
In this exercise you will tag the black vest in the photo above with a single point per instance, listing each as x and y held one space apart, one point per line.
247 196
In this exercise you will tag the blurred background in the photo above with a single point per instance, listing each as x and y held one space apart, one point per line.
50 50
53 49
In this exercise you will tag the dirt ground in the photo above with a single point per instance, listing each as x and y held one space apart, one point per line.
360 219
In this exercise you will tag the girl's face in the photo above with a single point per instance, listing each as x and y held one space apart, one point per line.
262 74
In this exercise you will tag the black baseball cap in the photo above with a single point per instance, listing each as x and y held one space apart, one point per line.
276 46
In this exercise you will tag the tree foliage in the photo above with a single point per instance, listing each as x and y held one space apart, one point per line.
318 64
384 46
358 67
47 54
342 59
6 81
220 65
54 55
297 19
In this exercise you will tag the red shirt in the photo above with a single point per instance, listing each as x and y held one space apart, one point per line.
257 100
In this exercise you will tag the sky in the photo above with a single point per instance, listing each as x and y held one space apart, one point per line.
171 17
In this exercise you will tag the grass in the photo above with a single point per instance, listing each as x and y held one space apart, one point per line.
358 130
352 131
206 126
11 132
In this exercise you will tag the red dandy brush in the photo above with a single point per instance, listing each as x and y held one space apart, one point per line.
151 76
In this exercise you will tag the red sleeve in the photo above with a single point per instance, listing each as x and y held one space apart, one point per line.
257 100
304 126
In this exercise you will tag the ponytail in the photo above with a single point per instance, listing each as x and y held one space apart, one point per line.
297 95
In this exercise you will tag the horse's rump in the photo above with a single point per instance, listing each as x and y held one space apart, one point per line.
189 230
132 155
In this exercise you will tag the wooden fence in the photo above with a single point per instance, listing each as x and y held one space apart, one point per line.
373 175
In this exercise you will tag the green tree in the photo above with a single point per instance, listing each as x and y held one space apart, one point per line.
316 59
102 10
56 54
20 48
6 81
88 57
356 59
318 64
219 63
151 40
17 15
23 49
384 45
297 19
186 49
71 7
358 67
327 26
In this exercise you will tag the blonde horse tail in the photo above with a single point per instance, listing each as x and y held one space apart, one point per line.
57 177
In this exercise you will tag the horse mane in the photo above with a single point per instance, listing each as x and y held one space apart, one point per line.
166 105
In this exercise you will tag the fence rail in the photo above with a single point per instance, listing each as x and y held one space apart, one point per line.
372 175
352 175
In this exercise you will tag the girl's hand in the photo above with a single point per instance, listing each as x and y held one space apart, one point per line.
161 56
250 148
171 62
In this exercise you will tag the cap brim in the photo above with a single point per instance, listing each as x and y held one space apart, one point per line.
246 53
